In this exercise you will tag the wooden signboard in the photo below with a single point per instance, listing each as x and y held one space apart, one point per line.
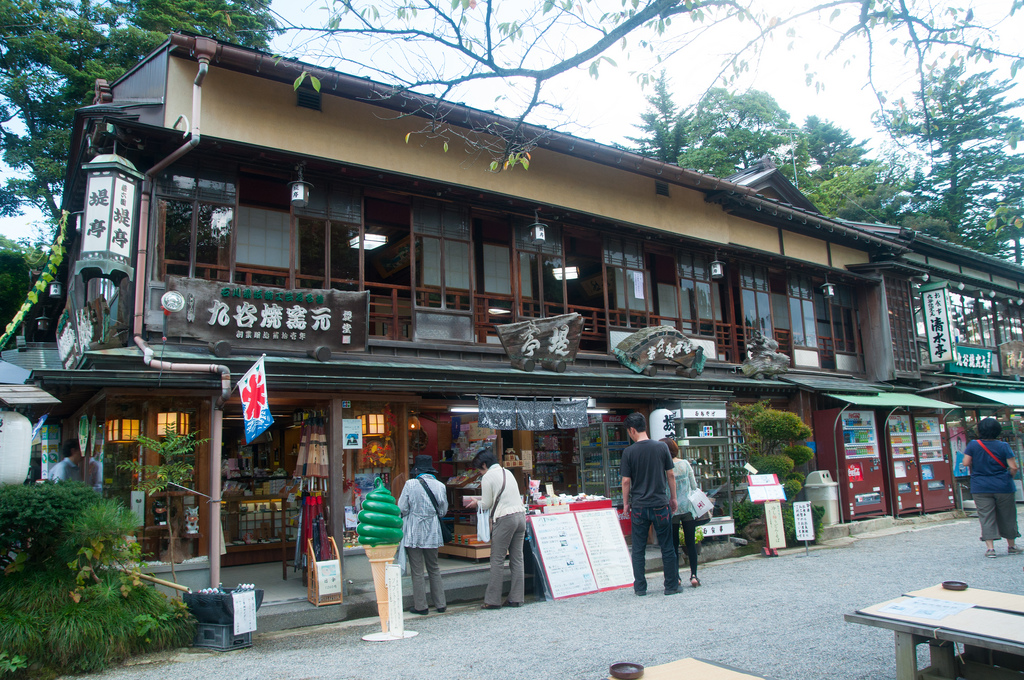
264 319
1011 358
581 552
551 342
639 351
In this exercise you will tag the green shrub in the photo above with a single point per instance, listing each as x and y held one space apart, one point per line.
102 628
745 512
799 453
797 475
779 426
792 488
72 609
773 465
34 518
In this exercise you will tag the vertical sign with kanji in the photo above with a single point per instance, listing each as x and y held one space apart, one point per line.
109 219
935 304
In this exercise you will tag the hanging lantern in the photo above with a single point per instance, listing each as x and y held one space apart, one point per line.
110 220
717 269
537 231
56 289
123 431
178 422
414 423
300 189
828 290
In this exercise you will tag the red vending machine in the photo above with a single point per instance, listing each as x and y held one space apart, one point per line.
901 467
847 446
936 469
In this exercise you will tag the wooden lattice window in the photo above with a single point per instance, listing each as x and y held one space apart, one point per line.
901 324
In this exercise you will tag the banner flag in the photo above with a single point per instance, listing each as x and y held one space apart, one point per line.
255 402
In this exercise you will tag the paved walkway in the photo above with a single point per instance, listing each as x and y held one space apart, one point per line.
777 617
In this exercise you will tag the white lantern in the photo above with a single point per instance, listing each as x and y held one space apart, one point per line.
15 447
661 423
110 219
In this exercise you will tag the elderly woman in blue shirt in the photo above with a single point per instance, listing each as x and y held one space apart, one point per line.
422 532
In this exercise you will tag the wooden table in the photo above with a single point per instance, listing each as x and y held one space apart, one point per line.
991 632
695 668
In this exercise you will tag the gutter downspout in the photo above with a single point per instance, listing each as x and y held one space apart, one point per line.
216 437
205 50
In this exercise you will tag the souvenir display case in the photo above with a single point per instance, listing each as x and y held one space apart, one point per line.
254 527
601 445
702 436
556 460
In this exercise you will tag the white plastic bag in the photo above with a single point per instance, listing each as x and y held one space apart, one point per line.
700 502
483 525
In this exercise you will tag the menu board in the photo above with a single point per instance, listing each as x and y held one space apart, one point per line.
582 552
606 547
566 566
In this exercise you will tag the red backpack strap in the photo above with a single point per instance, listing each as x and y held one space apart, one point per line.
994 456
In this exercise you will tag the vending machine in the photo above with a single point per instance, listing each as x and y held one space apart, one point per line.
935 466
601 446
901 466
847 446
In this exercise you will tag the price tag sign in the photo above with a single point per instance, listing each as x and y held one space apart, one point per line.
244 604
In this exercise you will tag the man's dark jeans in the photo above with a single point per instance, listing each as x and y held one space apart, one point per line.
661 518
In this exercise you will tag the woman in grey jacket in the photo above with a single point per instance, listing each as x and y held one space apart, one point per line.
422 532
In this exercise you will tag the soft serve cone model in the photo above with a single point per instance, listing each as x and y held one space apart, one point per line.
380 531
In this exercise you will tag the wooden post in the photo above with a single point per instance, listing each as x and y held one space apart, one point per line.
906 656
336 472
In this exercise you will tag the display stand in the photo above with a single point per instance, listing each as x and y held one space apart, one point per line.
323 577
581 552
766 490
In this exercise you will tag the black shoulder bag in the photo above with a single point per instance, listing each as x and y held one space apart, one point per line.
446 533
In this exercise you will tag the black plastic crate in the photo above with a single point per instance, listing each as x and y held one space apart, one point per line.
220 637
215 608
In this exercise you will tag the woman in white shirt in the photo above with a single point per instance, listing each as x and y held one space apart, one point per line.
686 482
500 494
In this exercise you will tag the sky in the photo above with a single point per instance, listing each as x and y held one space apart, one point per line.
605 109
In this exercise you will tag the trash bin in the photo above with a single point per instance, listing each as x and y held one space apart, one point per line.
824 493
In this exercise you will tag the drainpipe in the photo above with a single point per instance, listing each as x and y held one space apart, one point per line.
216 436
205 49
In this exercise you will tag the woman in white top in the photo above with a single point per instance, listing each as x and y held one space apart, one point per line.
685 483
500 494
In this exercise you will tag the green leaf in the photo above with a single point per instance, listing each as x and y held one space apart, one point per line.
446 147
408 134
298 81
315 82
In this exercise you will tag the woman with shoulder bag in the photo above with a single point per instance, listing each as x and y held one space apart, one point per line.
423 503
685 484
500 494
992 466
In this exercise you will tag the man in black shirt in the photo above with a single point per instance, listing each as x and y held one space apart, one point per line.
649 497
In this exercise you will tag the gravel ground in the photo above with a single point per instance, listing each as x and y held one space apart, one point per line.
780 618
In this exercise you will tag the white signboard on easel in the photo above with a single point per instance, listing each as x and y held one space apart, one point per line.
606 547
804 521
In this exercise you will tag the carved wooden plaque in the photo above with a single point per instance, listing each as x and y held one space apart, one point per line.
551 342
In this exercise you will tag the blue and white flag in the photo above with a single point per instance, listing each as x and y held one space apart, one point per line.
255 402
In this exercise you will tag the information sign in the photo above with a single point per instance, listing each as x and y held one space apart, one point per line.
776 531
804 520
244 604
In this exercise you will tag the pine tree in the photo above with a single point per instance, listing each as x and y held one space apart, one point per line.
663 127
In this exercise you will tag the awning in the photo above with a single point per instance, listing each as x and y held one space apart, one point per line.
823 384
23 395
1007 397
893 399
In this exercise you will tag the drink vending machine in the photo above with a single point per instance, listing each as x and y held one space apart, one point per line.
904 484
847 446
935 466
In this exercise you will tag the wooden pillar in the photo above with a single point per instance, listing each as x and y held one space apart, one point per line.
336 475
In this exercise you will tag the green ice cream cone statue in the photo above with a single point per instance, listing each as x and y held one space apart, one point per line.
380 532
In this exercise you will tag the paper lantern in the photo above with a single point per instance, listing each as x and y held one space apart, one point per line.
15 447
110 219
122 431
